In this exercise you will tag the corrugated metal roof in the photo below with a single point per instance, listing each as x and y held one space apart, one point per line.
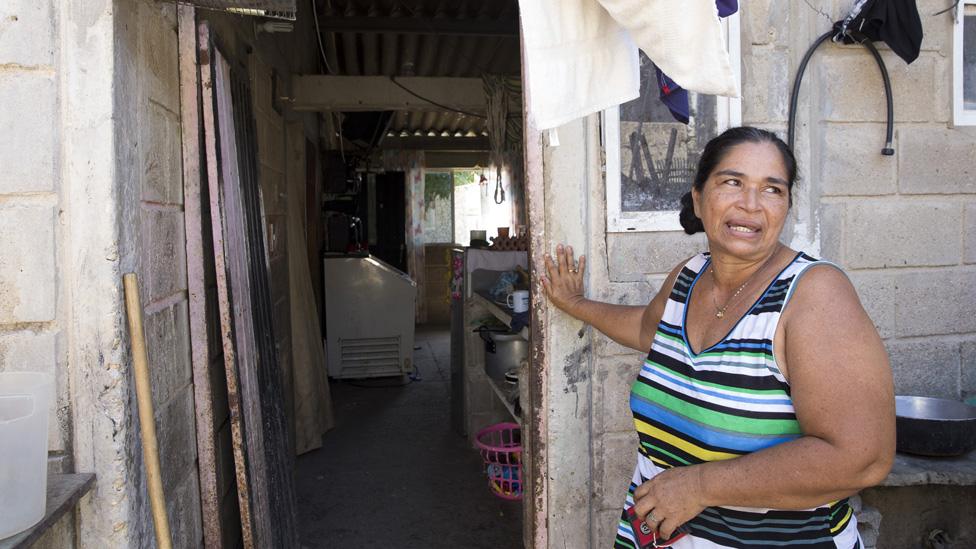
417 53
436 124
485 47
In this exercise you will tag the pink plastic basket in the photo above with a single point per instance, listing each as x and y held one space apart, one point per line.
501 448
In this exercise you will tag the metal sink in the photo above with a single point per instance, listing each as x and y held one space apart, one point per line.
934 426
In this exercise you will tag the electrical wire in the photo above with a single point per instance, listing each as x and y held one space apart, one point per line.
318 34
432 102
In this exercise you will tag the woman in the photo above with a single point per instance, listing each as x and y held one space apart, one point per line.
766 398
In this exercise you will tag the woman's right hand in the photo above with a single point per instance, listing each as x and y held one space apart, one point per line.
563 281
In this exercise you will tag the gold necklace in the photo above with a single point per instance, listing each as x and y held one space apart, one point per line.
720 312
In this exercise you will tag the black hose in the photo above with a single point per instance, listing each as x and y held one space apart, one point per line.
794 96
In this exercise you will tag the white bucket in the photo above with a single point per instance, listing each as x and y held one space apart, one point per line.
25 398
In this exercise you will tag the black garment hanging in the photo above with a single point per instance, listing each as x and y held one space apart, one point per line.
894 22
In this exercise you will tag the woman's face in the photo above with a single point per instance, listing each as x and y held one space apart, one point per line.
744 202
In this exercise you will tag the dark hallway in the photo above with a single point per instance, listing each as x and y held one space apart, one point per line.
394 475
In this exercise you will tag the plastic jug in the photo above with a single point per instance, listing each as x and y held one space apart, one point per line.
25 398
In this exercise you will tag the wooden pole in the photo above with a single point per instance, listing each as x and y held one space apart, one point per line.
150 450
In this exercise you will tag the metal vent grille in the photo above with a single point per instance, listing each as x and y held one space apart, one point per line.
278 9
370 356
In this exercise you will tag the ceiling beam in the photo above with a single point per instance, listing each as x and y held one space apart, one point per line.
421 25
417 143
455 159
379 93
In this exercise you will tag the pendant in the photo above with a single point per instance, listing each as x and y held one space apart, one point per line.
720 314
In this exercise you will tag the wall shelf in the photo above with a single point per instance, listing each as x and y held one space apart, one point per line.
503 314
506 395
63 493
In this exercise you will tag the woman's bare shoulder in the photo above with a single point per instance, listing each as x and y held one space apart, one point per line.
823 291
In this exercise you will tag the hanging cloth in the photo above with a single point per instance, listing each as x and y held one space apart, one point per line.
578 60
674 97
581 55
684 39
894 22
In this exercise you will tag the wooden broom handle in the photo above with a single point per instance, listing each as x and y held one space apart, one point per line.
147 423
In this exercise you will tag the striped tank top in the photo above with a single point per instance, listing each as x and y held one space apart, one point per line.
720 403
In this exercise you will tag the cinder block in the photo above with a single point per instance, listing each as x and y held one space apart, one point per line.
905 233
765 22
878 294
935 301
167 342
611 393
614 457
629 293
30 351
936 29
832 232
967 352
164 248
183 507
27 33
29 110
605 526
766 85
28 286
925 367
936 160
912 86
969 239
159 49
176 429
162 162
851 163
59 535
632 256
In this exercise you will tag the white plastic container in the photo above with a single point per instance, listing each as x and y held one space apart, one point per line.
25 398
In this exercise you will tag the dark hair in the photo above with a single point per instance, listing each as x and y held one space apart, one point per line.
715 152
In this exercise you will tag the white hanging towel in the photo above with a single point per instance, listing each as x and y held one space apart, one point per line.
684 39
578 60
581 55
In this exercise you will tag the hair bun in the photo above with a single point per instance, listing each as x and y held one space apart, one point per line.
689 221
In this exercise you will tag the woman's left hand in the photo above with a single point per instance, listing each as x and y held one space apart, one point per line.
670 499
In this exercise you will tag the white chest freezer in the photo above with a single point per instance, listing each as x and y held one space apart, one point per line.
369 317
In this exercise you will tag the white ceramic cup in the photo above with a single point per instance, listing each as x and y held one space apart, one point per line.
518 301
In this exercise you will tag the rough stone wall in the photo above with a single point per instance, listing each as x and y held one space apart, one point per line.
903 226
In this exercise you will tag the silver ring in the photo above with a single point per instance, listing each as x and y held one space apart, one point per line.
650 517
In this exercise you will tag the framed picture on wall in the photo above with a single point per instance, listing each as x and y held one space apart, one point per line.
651 155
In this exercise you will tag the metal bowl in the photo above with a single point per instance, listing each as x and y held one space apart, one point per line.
934 426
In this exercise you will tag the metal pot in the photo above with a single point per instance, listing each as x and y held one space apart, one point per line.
934 426
509 350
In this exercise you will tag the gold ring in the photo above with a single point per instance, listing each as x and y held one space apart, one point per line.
574 271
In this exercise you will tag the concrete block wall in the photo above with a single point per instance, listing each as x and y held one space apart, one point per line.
903 227
32 300
150 175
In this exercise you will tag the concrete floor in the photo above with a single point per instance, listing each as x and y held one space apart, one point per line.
394 475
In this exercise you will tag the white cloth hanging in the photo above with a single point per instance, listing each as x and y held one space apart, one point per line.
578 60
684 39
581 55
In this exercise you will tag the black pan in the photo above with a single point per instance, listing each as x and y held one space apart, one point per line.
934 426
